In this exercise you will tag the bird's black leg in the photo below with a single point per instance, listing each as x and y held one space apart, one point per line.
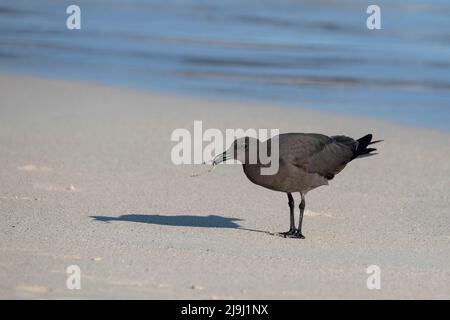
298 232
292 229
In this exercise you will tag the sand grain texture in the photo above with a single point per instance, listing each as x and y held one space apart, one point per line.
72 151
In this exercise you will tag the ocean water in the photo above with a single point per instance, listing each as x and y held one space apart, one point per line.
313 54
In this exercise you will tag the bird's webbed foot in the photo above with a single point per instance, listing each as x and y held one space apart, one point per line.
297 235
287 234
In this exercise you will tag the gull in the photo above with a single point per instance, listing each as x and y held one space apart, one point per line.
306 161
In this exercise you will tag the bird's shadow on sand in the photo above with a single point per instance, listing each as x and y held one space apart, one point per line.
210 221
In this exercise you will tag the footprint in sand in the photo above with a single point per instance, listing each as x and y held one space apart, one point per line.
34 168
18 198
309 213
45 186
52 187
221 298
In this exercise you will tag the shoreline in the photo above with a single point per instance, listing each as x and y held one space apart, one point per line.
232 100
86 179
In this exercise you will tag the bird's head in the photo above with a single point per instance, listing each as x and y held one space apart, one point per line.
243 149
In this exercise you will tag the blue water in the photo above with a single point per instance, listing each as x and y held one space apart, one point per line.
314 54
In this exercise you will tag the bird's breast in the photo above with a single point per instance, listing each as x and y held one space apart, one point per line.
287 179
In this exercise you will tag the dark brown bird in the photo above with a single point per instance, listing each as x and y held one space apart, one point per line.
306 161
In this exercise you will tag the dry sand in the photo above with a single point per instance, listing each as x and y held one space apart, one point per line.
70 151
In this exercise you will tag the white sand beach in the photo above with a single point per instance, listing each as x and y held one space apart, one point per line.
86 179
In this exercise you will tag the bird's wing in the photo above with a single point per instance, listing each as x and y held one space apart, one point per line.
298 148
321 154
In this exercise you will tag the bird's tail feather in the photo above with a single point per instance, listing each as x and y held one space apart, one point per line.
362 151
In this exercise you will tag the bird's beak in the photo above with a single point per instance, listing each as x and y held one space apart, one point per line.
220 158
